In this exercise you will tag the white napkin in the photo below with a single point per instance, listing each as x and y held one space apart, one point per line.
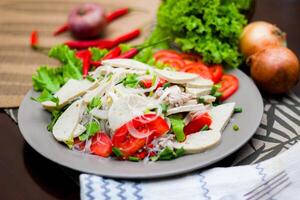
219 183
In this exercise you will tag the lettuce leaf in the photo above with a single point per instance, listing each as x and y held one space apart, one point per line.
51 78
208 27
97 54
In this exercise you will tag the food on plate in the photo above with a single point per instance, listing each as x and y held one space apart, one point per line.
131 111
209 28
259 35
275 69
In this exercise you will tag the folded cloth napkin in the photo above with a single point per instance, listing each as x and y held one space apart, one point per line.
219 183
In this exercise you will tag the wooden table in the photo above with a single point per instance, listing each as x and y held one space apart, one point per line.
24 174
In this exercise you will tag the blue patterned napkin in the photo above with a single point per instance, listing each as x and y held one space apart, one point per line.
230 183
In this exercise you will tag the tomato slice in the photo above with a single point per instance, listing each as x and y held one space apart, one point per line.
166 53
197 123
128 144
198 68
101 145
216 73
175 62
147 83
190 58
229 85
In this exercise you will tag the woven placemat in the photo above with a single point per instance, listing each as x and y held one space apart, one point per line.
19 17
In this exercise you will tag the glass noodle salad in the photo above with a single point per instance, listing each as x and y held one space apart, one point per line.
131 111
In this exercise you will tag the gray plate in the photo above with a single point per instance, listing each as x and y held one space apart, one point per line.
33 120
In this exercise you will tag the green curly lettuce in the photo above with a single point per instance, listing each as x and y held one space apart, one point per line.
208 27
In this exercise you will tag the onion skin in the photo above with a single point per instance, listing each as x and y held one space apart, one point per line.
258 35
87 21
275 69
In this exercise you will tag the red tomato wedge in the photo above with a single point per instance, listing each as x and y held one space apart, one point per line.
197 123
190 58
229 85
216 73
166 53
148 83
101 145
198 68
177 63
128 144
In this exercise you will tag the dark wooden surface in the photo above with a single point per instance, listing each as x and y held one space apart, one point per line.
24 174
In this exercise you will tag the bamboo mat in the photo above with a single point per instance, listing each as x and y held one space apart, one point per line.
19 17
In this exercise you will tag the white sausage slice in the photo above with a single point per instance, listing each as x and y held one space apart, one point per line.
200 141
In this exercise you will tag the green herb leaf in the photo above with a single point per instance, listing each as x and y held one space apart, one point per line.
47 78
204 128
164 107
90 78
208 27
117 152
91 129
95 103
177 126
46 96
97 54
55 114
131 80
125 47
72 66
166 85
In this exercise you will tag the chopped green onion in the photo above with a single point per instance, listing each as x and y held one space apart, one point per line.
177 125
236 127
201 100
204 128
168 154
147 72
238 110
166 85
217 94
164 107
179 152
154 158
215 88
133 159
117 151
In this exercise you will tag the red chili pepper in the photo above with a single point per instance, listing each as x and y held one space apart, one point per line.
34 39
116 14
129 54
110 55
61 29
104 43
85 56
128 36
113 53
95 63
